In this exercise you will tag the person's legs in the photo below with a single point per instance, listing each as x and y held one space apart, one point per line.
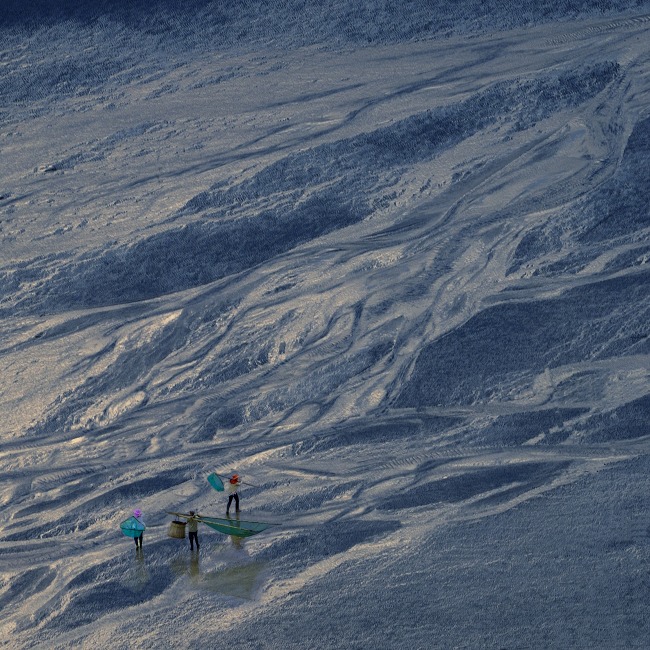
236 502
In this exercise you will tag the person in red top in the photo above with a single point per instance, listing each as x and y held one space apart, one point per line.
232 487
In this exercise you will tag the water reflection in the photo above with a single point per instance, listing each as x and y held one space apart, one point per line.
232 578
194 565
137 576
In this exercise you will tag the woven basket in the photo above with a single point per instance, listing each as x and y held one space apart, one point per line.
176 529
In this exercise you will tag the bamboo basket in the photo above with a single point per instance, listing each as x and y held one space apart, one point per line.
177 529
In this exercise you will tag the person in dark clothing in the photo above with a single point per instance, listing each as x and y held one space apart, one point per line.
193 530
138 540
